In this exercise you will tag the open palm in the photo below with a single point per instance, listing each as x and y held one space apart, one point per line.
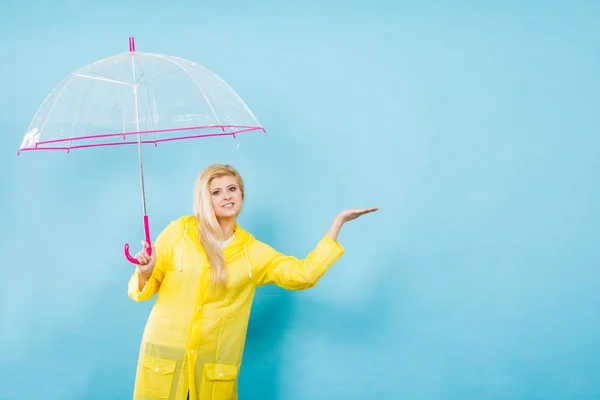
353 213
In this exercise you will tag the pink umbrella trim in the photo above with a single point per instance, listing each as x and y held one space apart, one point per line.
43 145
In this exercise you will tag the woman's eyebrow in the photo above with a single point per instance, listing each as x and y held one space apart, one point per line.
213 189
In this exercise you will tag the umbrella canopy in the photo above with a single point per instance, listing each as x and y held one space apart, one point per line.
158 97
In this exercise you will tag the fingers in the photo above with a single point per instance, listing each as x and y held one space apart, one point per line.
145 245
360 212
369 210
142 256
363 211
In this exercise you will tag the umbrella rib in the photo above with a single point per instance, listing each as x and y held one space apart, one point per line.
162 76
195 82
98 74
152 116
98 78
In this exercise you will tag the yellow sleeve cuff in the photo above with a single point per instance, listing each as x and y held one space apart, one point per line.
336 246
133 287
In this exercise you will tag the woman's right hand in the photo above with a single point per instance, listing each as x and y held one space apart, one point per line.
146 262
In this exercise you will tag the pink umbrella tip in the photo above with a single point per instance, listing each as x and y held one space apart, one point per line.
131 43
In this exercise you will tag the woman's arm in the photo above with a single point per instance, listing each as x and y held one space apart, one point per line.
295 274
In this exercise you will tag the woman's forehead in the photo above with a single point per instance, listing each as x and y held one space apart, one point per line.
222 181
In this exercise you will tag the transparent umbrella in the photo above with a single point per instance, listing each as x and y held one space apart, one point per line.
137 98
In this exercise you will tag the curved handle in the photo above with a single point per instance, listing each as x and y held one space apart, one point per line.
148 250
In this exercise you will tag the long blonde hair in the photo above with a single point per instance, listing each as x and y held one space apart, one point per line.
211 234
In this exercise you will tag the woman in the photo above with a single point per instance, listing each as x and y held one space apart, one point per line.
205 269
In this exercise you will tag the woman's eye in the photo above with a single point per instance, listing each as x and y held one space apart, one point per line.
232 189
216 192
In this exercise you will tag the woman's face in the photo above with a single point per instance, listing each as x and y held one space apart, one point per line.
226 197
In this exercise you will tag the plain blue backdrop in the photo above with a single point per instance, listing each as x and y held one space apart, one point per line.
474 128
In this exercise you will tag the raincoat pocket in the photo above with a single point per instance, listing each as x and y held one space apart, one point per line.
218 381
156 377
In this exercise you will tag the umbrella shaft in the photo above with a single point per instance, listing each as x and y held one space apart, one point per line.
142 176
137 123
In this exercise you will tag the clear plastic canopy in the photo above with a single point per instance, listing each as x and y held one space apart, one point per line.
160 97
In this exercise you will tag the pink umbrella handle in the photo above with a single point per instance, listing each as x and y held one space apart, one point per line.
148 250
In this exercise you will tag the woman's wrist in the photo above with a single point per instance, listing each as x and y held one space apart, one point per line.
145 275
334 230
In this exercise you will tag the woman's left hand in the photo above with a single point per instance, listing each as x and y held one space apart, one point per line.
349 215
345 216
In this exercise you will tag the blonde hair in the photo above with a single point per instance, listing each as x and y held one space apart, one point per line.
210 232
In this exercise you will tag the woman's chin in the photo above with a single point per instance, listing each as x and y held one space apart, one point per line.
227 214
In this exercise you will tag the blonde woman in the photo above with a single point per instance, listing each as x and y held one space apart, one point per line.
205 269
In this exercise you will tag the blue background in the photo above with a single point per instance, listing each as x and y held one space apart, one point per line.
474 128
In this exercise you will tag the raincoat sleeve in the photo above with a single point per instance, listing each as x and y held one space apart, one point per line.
164 251
291 273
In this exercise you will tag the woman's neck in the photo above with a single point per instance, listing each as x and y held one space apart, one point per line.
227 226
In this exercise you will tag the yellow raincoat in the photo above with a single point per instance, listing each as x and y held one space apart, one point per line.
194 338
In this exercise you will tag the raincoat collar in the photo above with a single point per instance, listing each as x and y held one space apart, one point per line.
233 250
